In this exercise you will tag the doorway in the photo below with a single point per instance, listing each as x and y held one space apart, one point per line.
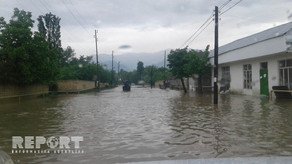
264 79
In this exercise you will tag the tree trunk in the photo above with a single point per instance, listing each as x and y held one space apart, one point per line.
183 84
200 84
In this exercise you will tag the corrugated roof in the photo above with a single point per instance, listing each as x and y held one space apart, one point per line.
256 38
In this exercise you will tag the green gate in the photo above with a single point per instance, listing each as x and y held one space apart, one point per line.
264 82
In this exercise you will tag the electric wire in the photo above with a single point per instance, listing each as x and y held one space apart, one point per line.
230 7
208 22
224 4
200 32
77 20
190 38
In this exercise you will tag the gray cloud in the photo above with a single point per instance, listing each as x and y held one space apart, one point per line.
151 25
125 47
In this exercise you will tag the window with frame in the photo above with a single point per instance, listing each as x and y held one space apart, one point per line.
225 75
285 74
247 76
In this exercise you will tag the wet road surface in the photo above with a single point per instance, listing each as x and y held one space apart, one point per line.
150 124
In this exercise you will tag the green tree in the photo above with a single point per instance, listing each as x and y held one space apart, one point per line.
177 63
67 56
198 63
25 58
184 63
140 70
150 74
153 74
124 75
105 75
80 68
49 27
44 61
161 74
2 23
15 39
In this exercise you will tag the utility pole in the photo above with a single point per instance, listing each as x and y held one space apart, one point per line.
118 67
112 79
164 64
96 53
118 71
216 57
151 76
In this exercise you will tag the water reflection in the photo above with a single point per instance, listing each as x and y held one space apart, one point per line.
29 117
198 127
155 124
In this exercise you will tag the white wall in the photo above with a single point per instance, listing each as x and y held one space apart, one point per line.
271 51
236 72
268 47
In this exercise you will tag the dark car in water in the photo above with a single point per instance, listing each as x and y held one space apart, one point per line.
127 86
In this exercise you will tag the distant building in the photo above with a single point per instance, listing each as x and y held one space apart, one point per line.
175 83
252 65
206 83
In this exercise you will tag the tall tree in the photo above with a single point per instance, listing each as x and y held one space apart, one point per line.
153 74
198 63
25 58
2 23
140 69
67 56
49 27
44 61
184 63
177 63
15 38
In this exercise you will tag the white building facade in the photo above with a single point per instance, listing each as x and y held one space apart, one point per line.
254 64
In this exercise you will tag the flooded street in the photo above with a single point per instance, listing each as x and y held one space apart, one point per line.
150 124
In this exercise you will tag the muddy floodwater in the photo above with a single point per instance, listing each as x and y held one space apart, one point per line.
150 124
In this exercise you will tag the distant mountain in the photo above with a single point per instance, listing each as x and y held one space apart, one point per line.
128 61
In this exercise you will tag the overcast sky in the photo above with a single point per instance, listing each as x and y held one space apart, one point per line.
151 25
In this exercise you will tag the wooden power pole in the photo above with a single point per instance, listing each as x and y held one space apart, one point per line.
164 65
118 71
216 57
112 79
96 53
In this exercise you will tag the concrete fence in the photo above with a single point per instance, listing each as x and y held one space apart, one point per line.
75 85
7 91
65 86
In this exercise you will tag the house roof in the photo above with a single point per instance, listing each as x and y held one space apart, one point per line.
274 32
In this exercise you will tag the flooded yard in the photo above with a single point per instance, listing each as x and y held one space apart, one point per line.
151 124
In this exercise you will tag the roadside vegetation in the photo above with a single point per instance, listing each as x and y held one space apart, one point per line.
184 63
36 57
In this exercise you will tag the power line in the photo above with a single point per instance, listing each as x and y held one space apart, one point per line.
185 43
77 20
19 3
230 7
78 13
46 7
36 6
200 32
224 4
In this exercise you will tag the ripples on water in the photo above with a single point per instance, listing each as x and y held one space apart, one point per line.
152 124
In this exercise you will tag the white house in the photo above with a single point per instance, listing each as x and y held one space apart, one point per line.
252 65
